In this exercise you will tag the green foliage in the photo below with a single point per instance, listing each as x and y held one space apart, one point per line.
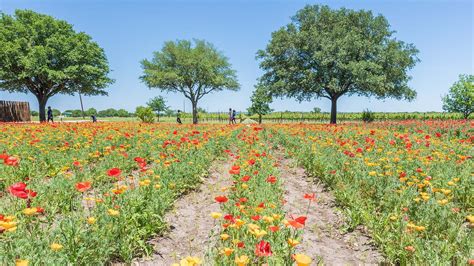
461 96
316 110
191 68
329 53
260 103
145 114
56 112
45 56
201 110
368 116
122 113
76 113
158 104
110 112
91 111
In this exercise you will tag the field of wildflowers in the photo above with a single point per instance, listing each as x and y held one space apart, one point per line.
411 183
95 193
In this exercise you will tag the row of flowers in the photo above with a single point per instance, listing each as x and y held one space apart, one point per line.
411 182
252 227
94 193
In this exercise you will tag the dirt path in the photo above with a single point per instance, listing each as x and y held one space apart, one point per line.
190 221
322 237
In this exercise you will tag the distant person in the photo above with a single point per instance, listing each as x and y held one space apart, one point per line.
94 119
178 117
50 114
234 114
230 116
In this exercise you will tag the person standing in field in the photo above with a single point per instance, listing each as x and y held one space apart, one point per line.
178 117
230 116
234 114
50 114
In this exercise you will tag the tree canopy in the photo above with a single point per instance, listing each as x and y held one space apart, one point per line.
158 105
45 56
461 96
194 69
329 53
260 103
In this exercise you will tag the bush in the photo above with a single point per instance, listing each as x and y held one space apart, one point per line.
368 116
145 114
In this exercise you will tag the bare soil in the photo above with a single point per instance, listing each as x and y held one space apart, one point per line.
323 239
190 221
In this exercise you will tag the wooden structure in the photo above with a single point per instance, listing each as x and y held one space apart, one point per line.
14 111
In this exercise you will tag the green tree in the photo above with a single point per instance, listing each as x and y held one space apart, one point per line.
34 113
111 112
260 103
56 112
329 53
461 96
145 114
316 110
158 105
122 113
76 113
194 69
45 56
201 110
91 111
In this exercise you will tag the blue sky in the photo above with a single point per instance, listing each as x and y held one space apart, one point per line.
130 31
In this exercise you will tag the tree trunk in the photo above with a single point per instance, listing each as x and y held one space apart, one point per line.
333 110
195 113
158 117
259 118
466 114
42 108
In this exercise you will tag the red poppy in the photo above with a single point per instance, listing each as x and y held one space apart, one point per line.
39 210
76 163
301 220
309 196
298 222
295 224
139 160
271 179
255 218
114 172
245 178
251 162
263 249
235 170
243 200
83 186
11 161
3 156
241 245
19 190
229 217
274 228
221 199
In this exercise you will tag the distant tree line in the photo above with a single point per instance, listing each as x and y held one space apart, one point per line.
110 112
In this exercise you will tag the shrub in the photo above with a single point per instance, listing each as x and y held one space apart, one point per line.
368 116
145 114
